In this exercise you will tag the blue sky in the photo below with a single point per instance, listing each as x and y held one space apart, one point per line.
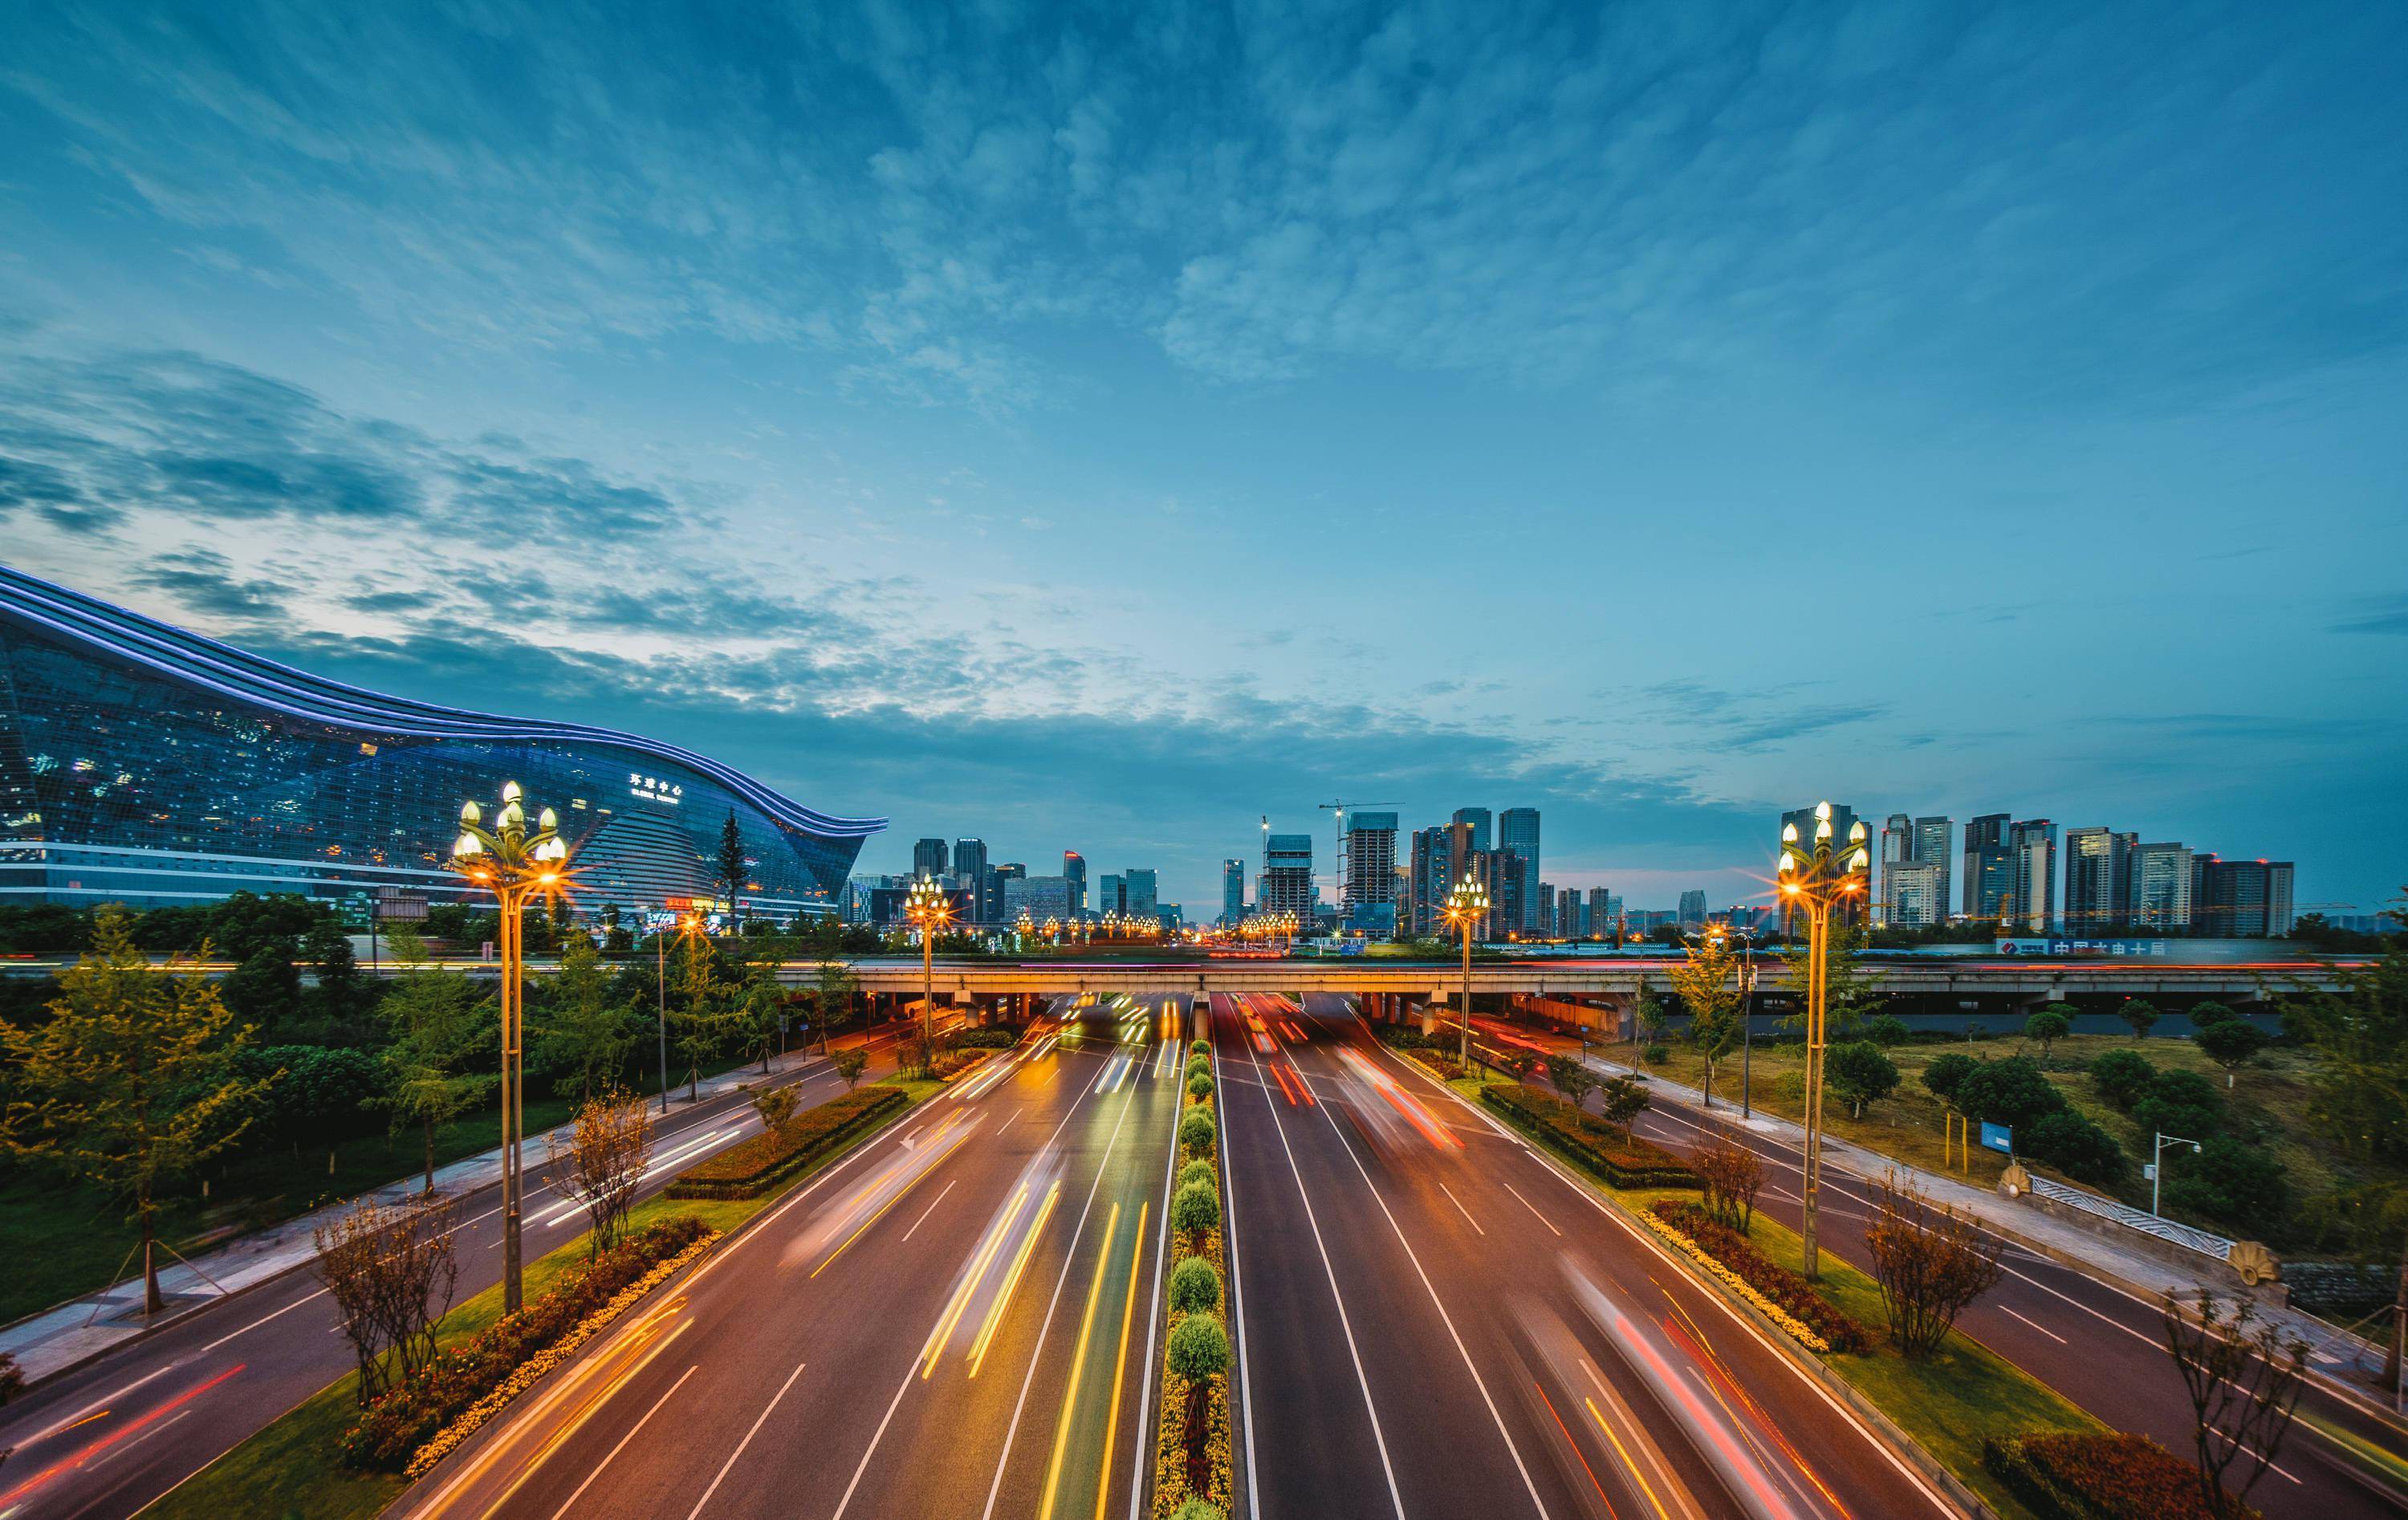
1100 428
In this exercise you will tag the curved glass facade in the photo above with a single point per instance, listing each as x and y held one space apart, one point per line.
146 764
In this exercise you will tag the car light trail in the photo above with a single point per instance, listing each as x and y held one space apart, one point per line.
666 1160
1078 1367
1403 1101
1636 1476
8 1500
1577 1455
1280 1077
979 1264
1012 1279
1120 1364
896 1197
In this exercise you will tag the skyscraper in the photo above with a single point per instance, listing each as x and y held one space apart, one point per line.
1371 861
1517 829
1074 870
1568 914
1931 848
929 858
1897 848
2032 845
1137 892
1693 907
1287 876
1233 893
2098 880
2161 875
1478 819
1600 913
1110 894
2241 899
1916 892
1989 877
970 869
1441 856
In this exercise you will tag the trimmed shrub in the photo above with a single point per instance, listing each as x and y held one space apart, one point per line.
2084 1475
1199 1087
2185 1103
1196 1508
1656 1054
1196 1209
2123 1076
1623 1159
2013 1091
2072 1144
996 1037
1195 1287
1793 1293
1200 1047
1199 1066
1197 1172
1199 1349
768 1158
1946 1073
1196 1131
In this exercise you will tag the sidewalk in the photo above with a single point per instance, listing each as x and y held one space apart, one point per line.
74 1332
2134 1270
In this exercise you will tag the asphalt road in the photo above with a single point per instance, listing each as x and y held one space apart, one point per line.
1437 1320
955 1320
2097 1345
110 1437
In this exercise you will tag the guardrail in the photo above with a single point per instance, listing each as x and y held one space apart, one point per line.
2202 1242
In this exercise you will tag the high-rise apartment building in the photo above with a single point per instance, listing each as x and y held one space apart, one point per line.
2241 899
1693 907
2031 844
1989 874
1915 893
1517 829
2098 880
1233 893
1478 819
1568 914
1932 848
969 872
1371 861
2161 892
1897 848
1441 857
1287 876
1074 870
930 858
1600 913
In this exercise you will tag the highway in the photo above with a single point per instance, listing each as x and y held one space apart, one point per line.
109 1437
1437 1320
2096 1344
955 1320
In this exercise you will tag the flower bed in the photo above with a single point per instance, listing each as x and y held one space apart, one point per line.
1170 1487
1767 1281
2066 1475
955 1064
759 1163
1624 1161
494 1366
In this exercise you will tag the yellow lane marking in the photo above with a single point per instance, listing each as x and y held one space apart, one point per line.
1011 1280
1120 1364
1079 1364
969 1285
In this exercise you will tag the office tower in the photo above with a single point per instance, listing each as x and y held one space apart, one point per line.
1441 856
1545 893
1568 914
1600 915
929 858
2241 899
1478 819
1040 897
1988 874
1137 892
2031 846
1917 893
1517 829
1110 896
1233 893
1287 876
1370 862
2098 880
2160 876
1693 909
1074 870
1897 839
1931 848
970 870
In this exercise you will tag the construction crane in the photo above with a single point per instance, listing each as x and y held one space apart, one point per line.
1337 868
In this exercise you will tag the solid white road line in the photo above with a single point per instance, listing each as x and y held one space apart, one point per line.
1532 1207
930 1210
1459 1208
746 1442
2035 1324
614 1451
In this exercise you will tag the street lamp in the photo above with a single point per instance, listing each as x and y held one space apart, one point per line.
687 924
1466 904
927 907
1818 879
513 864
1746 1012
2157 1164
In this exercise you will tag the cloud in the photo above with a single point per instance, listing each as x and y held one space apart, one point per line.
207 583
2374 615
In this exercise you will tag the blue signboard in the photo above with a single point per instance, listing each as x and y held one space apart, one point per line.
2113 948
2000 1137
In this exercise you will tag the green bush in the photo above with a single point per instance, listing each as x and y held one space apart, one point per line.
1199 1066
753 1168
1200 1047
1196 1508
1623 1159
2229 1043
1199 1087
2233 1183
1859 1074
2185 1103
1888 1029
1199 1349
1656 1054
1196 1209
1197 1132
1199 1172
2074 1145
2013 1091
1946 1073
1195 1287
2123 1076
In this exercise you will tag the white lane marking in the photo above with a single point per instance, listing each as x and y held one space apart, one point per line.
1330 1270
926 1211
614 1451
1014 1119
746 1442
95 1466
101 1404
1532 1207
2035 1324
1459 1208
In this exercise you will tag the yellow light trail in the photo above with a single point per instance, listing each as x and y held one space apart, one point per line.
890 1202
1078 1367
1637 1476
985 1258
1011 1280
1120 1366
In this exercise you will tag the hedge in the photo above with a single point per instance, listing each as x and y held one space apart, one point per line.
994 1037
1171 1493
1624 1161
2066 1475
397 1423
1792 1293
759 1163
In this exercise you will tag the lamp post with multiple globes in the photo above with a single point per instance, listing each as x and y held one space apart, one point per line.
1818 878
513 864
1466 904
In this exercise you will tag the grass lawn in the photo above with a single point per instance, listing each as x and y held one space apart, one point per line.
1948 1404
291 1469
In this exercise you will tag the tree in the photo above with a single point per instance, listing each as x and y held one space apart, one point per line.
1195 1287
2243 1383
391 1270
588 1033
2010 1092
1571 1076
706 1009
265 986
341 991
775 1107
439 1026
2230 1044
1946 1074
602 1163
850 1062
1197 1352
2207 1015
1732 1174
1849 988
1521 1061
2233 1183
832 990
127 1085
1620 1100
2123 1076
732 870
1930 1262
764 1017
2047 1026
1860 1073
2181 1103
1888 1030
1647 1016
1707 981
2074 1145
1196 1212
2140 1014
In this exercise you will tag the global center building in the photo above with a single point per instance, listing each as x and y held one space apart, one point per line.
145 765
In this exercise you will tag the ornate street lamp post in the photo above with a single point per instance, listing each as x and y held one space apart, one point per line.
927 907
1746 1011
1819 879
514 865
1466 904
